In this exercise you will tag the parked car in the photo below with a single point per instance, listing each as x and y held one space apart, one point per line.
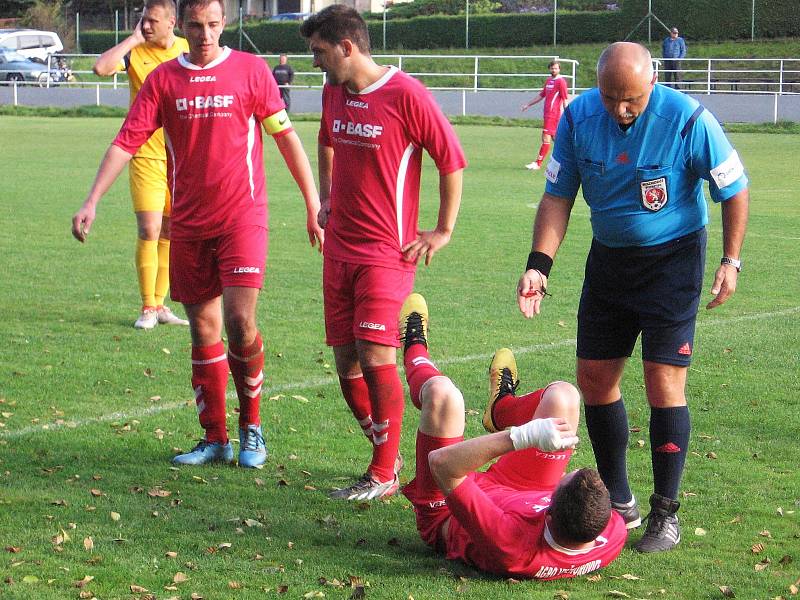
293 16
15 67
31 43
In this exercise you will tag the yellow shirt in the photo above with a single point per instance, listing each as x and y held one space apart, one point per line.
139 64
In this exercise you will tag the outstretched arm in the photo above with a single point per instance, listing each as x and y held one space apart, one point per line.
108 62
549 229
291 148
451 465
429 242
111 166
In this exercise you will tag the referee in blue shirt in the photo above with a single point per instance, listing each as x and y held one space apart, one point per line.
639 151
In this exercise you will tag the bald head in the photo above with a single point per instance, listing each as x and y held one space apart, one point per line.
625 78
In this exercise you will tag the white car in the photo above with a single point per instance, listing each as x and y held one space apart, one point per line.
31 43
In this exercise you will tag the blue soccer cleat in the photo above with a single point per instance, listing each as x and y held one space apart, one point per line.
252 449
206 452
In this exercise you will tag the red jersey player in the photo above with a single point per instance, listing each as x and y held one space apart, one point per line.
210 104
522 517
376 121
555 96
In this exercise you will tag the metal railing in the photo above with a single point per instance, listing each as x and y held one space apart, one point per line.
736 75
473 73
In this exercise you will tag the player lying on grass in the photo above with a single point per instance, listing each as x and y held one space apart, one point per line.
522 517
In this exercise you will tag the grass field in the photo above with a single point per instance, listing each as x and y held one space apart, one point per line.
91 411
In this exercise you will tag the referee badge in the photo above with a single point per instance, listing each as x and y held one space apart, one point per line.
654 194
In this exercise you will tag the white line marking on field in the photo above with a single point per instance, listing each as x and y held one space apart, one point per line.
323 381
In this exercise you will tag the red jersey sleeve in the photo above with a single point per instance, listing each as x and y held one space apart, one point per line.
144 116
487 524
323 138
268 97
430 129
562 89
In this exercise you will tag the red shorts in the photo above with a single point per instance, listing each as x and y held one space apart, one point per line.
529 469
200 269
362 302
550 126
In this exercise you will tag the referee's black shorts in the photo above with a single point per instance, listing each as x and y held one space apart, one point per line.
652 290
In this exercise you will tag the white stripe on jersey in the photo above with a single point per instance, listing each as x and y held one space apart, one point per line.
251 136
399 191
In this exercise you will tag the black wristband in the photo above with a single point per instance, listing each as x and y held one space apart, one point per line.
539 261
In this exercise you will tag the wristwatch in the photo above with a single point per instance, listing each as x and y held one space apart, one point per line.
735 263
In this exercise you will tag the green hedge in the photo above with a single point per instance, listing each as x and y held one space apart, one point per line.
697 20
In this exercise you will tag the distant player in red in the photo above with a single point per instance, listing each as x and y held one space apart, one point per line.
522 517
376 121
555 96
212 104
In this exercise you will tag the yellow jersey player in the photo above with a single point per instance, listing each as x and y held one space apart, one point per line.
153 42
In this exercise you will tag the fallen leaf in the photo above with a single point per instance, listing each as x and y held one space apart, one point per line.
760 566
765 533
639 443
785 560
235 585
617 594
85 594
253 523
180 577
594 578
82 583
630 577
224 545
283 588
779 511
115 516
699 531
793 589
302 399
727 591
171 554
259 481
561 595
137 589
314 594
711 455
13 549
157 492
88 544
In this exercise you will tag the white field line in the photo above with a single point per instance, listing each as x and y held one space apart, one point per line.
316 382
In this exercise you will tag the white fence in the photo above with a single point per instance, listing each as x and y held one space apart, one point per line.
737 76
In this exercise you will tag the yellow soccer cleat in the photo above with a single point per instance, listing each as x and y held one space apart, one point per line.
413 321
503 380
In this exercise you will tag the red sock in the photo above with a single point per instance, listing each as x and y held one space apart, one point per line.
247 369
423 489
386 399
542 153
419 369
356 394
513 410
209 380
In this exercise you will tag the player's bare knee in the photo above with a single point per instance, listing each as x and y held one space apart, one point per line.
149 230
561 399
440 396
240 327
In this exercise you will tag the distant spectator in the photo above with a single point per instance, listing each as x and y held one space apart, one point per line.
284 75
673 50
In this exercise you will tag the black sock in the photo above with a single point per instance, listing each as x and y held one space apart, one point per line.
608 431
669 441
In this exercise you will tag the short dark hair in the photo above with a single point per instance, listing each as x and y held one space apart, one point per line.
580 508
167 5
336 23
553 62
187 4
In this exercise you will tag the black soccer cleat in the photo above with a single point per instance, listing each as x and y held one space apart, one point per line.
663 531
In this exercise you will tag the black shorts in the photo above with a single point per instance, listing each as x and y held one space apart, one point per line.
652 290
